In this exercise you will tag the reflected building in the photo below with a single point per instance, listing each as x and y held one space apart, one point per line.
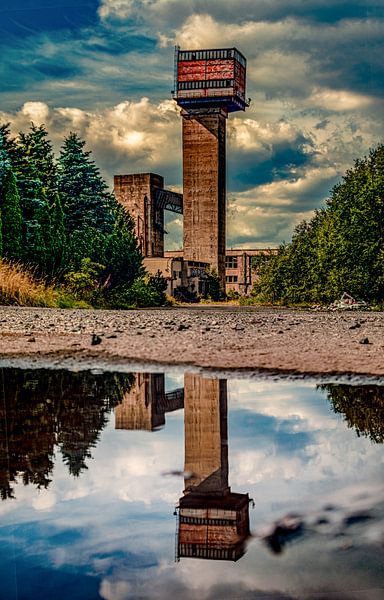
213 521
145 404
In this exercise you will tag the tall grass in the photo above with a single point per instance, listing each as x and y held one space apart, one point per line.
19 287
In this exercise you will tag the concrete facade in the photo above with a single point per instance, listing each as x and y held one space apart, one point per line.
146 404
204 187
206 444
239 274
136 193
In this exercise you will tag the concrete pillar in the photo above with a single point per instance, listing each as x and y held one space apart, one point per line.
206 441
136 194
204 187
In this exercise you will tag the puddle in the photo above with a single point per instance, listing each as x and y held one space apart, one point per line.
152 485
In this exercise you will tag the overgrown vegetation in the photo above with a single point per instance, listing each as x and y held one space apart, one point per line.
19 287
62 231
340 249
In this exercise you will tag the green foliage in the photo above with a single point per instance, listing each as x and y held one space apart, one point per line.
120 252
63 225
34 165
58 258
86 283
233 295
145 291
84 196
11 222
213 284
340 249
362 407
38 236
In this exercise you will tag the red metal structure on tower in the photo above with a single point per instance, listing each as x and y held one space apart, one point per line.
209 84
206 78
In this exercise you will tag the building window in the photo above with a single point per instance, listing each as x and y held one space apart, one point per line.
231 262
231 279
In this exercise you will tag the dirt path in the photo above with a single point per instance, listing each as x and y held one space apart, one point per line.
203 336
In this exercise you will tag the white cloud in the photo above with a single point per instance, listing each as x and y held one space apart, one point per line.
339 100
115 590
129 137
35 111
252 135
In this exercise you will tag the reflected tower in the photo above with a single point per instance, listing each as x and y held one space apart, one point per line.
145 404
213 521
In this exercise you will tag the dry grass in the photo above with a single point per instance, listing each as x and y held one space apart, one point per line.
19 287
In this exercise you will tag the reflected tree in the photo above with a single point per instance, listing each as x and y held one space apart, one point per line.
43 409
362 407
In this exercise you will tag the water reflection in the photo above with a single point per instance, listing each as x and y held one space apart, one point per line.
145 404
43 409
213 521
111 523
362 407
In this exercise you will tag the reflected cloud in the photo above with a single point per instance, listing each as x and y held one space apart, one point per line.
113 525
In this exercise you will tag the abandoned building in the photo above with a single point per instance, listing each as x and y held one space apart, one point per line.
209 84
212 521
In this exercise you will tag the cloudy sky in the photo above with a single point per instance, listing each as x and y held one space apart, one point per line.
110 533
104 68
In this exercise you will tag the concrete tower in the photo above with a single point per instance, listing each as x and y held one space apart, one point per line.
208 85
213 521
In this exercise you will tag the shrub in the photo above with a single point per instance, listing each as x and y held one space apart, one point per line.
145 292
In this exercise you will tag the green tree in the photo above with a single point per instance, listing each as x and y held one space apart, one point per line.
340 249
32 162
11 222
121 255
361 406
58 259
84 196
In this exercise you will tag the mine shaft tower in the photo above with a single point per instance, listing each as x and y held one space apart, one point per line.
209 84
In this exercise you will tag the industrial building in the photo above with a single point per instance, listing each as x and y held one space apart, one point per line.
209 85
212 522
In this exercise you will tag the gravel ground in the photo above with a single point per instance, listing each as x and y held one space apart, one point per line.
225 337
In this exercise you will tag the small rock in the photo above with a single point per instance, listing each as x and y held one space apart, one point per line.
239 327
364 341
31 339
355 326
113 335
96 339
182 327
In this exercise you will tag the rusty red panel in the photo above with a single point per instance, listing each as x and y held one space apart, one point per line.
195 68
222 62
198 70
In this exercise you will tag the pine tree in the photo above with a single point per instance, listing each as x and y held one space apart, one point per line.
1 237
33 161
121 255
11 221
38 235
58 249
11 218
85 200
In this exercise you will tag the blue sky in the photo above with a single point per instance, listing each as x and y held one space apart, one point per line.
112 529
104 68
